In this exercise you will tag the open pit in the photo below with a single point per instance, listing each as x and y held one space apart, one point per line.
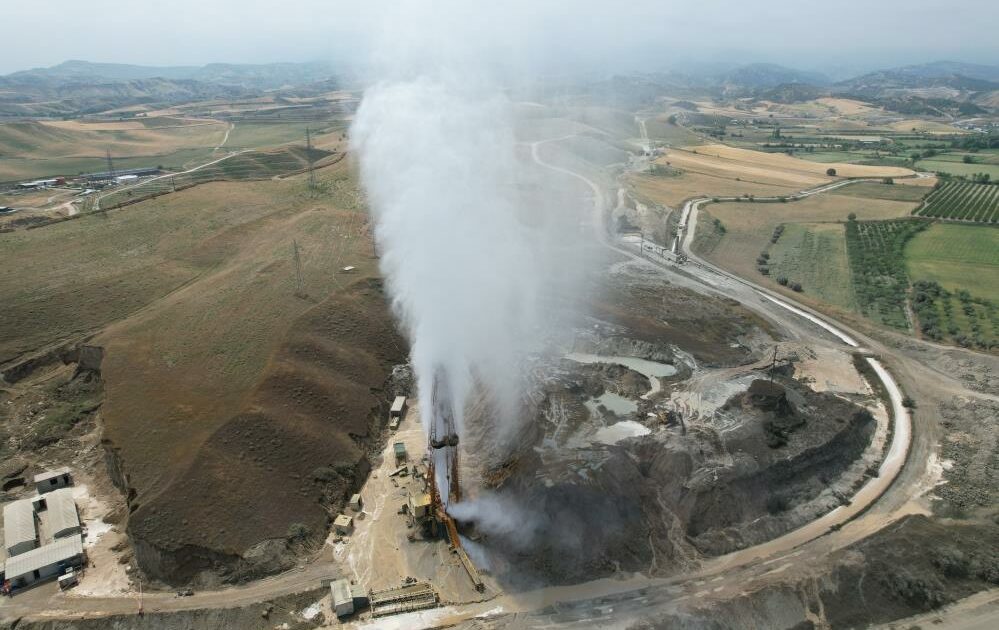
664 433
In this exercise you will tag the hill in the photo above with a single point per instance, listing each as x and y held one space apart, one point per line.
251 76
76 88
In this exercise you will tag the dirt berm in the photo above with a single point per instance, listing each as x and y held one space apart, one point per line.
265 483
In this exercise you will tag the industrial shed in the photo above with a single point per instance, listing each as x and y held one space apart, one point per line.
62 518
19 532
45 562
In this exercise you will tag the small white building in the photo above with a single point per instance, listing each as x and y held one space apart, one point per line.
343 524
62 517
355 502
20 534
53 480
343 597
45 562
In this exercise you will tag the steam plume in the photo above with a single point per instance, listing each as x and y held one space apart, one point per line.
470 258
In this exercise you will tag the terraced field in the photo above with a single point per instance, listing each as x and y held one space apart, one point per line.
963 201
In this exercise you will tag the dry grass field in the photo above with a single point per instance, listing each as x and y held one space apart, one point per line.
673 190
925 126
847 107
759 165
215 362
40 149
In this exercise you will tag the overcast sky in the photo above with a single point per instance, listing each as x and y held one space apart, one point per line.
607 35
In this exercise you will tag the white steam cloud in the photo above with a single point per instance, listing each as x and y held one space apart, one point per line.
470 245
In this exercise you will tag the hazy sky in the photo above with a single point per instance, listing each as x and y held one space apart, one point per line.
604 35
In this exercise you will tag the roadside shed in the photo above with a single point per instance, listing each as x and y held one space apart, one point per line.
343 524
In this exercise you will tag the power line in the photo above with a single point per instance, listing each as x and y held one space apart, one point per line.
299 284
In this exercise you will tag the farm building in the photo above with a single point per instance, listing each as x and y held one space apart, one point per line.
19 530
52 480
355 502
62 519
47 561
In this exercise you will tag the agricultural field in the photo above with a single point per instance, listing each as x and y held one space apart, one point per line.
958 200
877 263
672 190
750 228
813 255
874 190
38 149
773 167
955 273
251 135
242 166
939 164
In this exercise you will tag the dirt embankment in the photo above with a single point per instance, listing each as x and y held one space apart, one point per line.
283 612
267 481
715 331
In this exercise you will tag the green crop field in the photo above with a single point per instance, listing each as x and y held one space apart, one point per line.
814 256
958 257
877 266
942 164
955 273
963 201
872 190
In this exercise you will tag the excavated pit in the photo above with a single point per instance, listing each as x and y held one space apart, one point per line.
642 455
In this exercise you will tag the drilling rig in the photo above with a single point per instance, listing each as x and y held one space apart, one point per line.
442 471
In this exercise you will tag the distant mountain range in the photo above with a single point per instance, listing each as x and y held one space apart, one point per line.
81 87
251 76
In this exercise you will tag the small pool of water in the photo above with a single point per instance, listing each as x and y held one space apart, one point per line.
615 403
620 431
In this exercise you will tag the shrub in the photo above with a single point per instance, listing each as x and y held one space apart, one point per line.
298 532
796 286
831 172
782 280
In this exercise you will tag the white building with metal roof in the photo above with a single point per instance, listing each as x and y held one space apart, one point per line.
53 480
20 533
62 518
45 562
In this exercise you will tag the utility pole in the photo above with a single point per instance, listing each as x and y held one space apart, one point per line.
308 154
773 366
110 167
299 285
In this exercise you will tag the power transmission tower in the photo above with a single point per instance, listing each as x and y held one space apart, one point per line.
773 366
110 167
299 284
308 154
